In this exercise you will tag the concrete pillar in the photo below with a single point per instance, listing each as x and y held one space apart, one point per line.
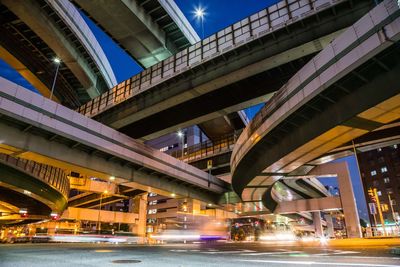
196 206
318 224
140 207
347 198
349 206
329 224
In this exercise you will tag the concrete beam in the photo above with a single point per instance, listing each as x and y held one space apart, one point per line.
81 214
131 27
76 23
31 14
311 205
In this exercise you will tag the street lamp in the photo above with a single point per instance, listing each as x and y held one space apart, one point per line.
57 61
98 215
199 13
181 135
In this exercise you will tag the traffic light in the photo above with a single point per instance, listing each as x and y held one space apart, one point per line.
385 207
54 216
372 194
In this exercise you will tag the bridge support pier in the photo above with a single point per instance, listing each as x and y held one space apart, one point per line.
140 207
348 201
319 231
329 225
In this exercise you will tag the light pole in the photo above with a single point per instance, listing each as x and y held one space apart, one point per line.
98 215
181 135
199 13
58 63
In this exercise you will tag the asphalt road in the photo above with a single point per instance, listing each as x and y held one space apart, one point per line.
183 255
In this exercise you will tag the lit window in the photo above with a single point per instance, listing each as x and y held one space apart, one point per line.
164 149
373 173
383 169
152 194
154 202
389 191
152 211
386 180
379 193
395 146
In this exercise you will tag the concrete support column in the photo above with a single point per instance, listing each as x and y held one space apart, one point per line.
140 207
352 220
196 206
329 224
347 198
318 224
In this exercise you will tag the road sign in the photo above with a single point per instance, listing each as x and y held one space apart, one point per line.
209 164
372 208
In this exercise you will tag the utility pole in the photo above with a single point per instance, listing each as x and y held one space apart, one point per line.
393 214
378 203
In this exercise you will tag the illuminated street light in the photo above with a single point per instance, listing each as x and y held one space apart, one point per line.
112 178
57 61
173 195
199 13
181 135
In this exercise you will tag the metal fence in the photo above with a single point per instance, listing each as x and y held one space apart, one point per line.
241 33
205 149
53 176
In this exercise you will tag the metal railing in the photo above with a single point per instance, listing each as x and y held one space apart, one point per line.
280 98
241 33
206 149
55 177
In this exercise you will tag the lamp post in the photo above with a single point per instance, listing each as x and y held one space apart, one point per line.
181 135
57 61
98 215
199 13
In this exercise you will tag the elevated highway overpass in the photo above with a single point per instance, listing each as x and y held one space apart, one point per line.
34 127
148 30
237 67
348 90
32 187
35 32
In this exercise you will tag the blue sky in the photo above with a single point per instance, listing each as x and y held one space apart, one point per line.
219 14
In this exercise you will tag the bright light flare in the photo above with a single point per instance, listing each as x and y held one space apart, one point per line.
199 12
57 60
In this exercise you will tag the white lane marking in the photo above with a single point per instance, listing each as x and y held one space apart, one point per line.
340 252
270 253
322 263
178 250
228 251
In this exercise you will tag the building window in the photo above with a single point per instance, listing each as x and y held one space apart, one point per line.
393 202
152 211
152 194
379 193
375 183
386 180
154 202
395 146
373 173
383 169
389 191
164 149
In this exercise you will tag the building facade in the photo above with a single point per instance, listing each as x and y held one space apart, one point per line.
380 170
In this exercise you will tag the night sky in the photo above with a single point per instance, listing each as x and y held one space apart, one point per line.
219 14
